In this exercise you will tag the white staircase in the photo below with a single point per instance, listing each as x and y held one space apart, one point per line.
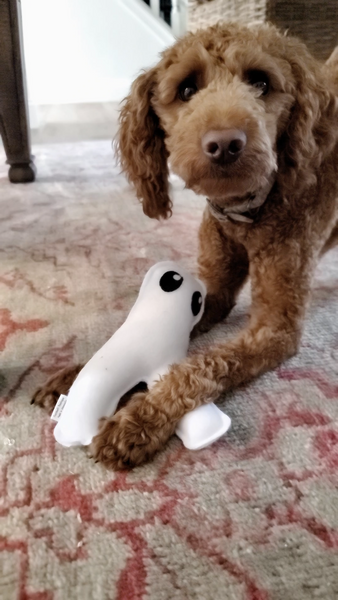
80 51
149 19
173 12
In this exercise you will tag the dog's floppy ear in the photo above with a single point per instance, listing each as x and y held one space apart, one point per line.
309 136
141 148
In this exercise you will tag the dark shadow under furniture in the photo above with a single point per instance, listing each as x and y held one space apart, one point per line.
14 123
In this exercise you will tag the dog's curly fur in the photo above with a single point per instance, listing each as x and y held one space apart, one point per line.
292 142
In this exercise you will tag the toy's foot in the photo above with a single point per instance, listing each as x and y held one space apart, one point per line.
60 383
132 436
202 426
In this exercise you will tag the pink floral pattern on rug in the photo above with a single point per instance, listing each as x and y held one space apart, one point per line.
253 517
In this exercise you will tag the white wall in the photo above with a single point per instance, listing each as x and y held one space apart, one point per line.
88 50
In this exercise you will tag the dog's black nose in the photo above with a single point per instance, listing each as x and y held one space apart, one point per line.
224 146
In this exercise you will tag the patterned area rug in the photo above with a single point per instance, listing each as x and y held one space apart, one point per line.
254 517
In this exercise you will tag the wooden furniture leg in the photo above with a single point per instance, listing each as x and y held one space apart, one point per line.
14 124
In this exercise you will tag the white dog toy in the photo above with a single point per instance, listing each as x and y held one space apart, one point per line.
154 336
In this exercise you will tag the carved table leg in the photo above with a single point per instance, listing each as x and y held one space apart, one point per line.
14 124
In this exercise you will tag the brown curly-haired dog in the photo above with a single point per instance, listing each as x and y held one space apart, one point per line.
247 117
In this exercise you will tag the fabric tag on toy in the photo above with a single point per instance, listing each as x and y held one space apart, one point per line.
59 406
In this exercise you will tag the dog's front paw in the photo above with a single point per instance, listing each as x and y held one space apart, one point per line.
216 309
132 436
59 383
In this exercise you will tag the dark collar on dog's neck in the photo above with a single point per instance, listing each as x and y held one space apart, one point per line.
245 211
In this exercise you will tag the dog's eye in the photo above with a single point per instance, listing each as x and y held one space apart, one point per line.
187 90
259 80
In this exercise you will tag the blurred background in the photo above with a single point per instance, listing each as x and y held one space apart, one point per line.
82 55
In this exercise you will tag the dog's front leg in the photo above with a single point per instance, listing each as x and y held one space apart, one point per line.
224 267
280 291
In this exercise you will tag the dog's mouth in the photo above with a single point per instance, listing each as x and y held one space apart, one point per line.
240 208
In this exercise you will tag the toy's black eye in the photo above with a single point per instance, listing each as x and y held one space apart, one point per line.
171 281
187 89
259 80
196 303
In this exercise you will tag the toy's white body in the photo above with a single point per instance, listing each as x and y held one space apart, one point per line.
154 336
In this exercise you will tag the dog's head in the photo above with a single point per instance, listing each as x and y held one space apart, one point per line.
226 107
